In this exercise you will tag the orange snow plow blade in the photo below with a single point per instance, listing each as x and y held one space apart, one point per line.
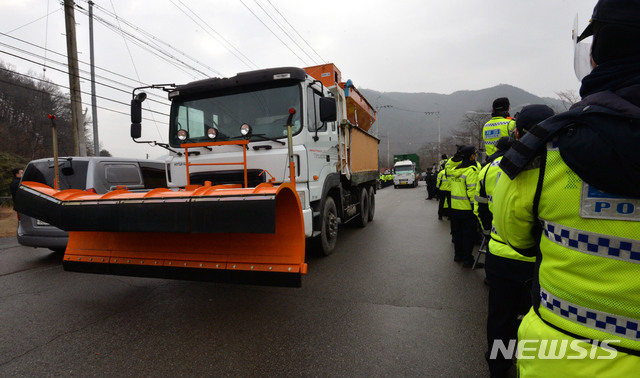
219 233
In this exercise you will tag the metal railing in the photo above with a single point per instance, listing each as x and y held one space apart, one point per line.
242 143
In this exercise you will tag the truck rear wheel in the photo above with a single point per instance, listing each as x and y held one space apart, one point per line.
325 243
363 217
372 203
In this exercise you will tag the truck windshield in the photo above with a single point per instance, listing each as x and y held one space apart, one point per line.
404 169
265 110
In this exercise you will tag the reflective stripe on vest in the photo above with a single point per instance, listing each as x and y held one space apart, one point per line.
614 324
608 246
480 199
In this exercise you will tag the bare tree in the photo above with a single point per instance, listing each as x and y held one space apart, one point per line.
470 130
25 103
568 98
428 154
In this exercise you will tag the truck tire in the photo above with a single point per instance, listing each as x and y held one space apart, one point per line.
363 216
325 243
372 203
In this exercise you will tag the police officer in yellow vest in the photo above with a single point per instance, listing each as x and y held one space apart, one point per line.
445 184
509 273
464 179
443 160
576 205
500 124
443 206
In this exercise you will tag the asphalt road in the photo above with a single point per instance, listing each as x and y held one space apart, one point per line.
389 302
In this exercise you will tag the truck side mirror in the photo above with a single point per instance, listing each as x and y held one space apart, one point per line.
328 109
136 115
136 130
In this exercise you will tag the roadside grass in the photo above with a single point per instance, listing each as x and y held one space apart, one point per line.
8 222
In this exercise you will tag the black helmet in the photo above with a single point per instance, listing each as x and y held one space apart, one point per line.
501 104
620 12
504 143
615 26
467 151
531 115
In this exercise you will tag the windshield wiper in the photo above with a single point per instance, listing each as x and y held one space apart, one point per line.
261 136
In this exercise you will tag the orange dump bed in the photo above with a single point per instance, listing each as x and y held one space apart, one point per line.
359 111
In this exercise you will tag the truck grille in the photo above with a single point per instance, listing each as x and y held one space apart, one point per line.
228 177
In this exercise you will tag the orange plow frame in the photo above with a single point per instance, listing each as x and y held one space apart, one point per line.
223 233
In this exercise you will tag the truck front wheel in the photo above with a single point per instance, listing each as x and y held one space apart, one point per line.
325 243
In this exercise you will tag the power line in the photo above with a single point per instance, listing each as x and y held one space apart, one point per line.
85 104
138 82
294 29
46 37
65 87
34 21
283 30
149 47
152 41
274 34
128 91
410 110
243 58
63 96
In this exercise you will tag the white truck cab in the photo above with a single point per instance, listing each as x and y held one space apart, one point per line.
404 174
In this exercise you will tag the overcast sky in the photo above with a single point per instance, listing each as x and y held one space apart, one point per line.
388 46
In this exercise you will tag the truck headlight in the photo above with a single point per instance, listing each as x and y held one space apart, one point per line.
182 134
212 133
245 129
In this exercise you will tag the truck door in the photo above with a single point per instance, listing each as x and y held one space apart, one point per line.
322 145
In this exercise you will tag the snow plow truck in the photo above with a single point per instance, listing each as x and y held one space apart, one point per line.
261 166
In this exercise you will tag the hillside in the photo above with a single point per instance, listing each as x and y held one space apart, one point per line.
402 115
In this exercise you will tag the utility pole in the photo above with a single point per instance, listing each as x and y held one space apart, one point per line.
56 174
80 146
94 108
377 110
437 113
